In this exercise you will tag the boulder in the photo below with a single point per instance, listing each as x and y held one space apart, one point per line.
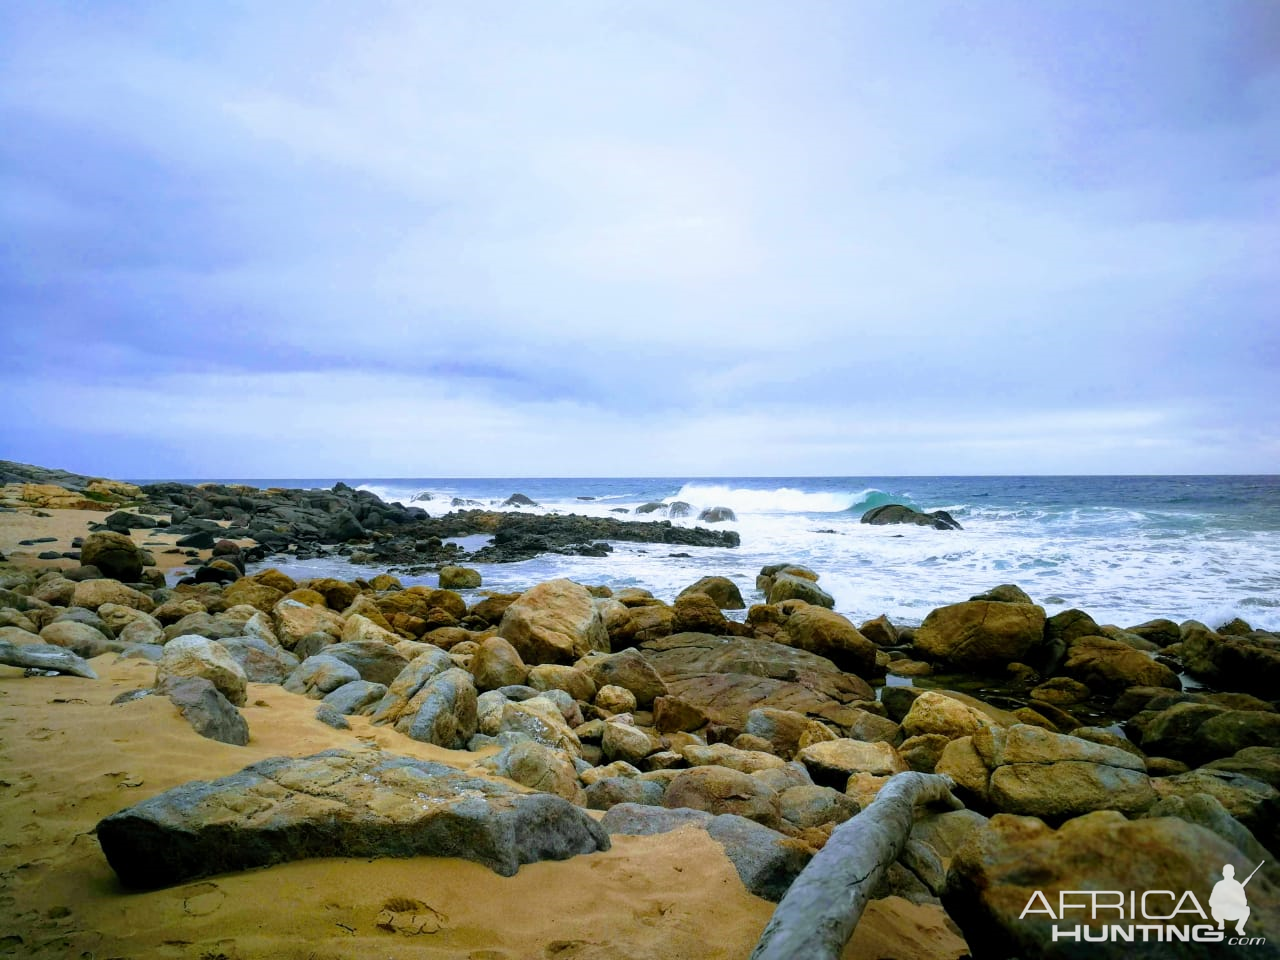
628 669
786 586
936 713
786 731
727 677
813 806
294 620
830 635
81 638
614 699
91 594
723 591
357 698
409 683
204 707
538 767
340 803
261 661
639 624
717 515
459 578
555 676
697 613
443 711
118 557
250 591
1111 666
723 755
497 664
193 656
981 633
1029 770
554 622
608 792
1001 865
541 720
1200 732
717 790
1249 663
625 741
319 675
374 660
833 762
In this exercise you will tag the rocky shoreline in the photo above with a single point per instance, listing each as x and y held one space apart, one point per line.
1078 744
568 718
343 522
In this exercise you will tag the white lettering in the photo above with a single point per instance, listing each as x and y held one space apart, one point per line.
1195 906
1205 934
1146 911
1072 934
1099 904
1038 895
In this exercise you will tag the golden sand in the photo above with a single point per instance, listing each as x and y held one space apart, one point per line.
69 758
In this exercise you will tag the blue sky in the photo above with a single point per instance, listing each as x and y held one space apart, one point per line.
656 238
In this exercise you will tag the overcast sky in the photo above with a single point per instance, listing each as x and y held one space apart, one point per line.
659 238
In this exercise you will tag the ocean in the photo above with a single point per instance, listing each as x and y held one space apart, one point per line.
1125 549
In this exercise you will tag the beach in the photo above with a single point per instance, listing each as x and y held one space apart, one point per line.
701 745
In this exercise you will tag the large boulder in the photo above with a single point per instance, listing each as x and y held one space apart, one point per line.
830 635
497 664
1247 663
727 677
294 620
250 591
443 712
833 762
402 691
1111 666
628 669
114 554
261 661
1003 865
1029 770
537 767
91 594
938 713
193 656
722 590
375 660
319 675
981 633
1199 732
340 803
717 790
459 578
554 622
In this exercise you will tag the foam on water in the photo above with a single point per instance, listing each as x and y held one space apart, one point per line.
1124 549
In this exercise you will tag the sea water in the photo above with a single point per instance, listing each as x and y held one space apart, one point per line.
1125 549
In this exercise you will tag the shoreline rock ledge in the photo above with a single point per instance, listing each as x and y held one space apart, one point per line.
340 803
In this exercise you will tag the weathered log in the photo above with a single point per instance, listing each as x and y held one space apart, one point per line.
45 656
817 915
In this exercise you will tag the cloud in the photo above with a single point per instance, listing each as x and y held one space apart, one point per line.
1042 235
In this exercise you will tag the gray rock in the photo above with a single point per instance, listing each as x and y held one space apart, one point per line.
262 662
142 651
331 717
608 792
45 656
356 698
83 639
340 803
210 713
446 711
766 862
319 675
374 660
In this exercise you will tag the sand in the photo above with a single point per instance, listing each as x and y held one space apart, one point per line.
68 758
66 525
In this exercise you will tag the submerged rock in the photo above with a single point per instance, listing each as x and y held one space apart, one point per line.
339 804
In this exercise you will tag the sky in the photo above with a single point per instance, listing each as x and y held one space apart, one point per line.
694 238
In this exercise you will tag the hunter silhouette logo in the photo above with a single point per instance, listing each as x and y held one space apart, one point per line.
1228 900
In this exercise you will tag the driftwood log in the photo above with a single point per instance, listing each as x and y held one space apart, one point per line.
817 915
44 656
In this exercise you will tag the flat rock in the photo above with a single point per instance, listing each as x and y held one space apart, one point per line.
339 804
